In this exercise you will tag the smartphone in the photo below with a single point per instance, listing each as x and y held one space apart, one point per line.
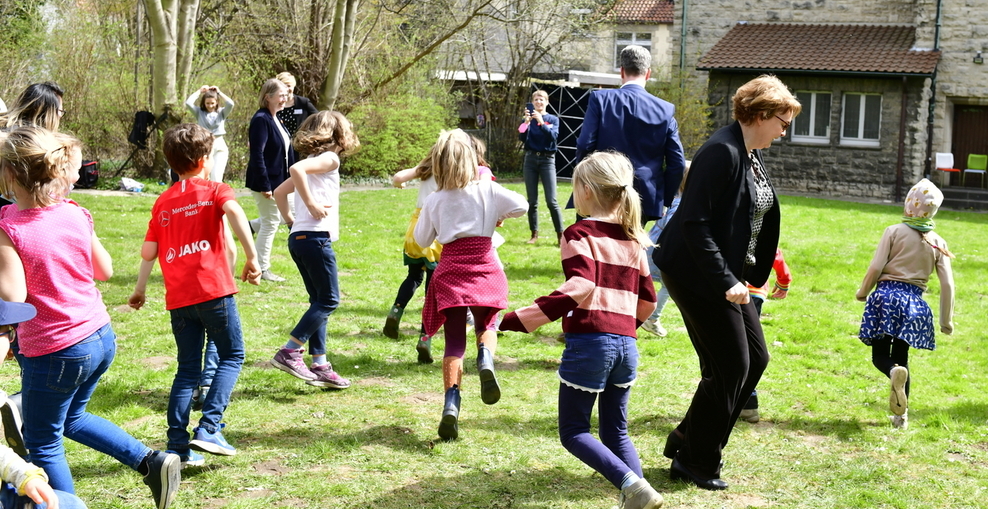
529 107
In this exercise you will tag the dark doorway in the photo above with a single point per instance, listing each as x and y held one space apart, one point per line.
970 137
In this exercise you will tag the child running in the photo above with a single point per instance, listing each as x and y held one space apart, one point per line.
896 317
186 235
71 332
607 295
462 215
315 181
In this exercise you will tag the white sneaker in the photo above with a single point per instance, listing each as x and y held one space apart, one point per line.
900 421
267 275
655 327
897 395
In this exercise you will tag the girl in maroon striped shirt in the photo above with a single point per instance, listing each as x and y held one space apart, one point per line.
607 295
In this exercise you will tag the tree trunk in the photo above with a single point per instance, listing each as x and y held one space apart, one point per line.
186 45
343 22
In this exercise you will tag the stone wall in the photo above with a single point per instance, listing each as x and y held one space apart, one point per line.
833 169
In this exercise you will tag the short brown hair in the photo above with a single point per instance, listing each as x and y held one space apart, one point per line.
270 87
185 145
324 131
762 98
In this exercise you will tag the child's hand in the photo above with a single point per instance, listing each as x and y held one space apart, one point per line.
136 300
251 272
780 293
41 493
317 210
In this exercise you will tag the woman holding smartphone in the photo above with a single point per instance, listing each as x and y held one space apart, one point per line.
539 132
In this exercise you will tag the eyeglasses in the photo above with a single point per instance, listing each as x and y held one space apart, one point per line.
11 333
785 125
61 112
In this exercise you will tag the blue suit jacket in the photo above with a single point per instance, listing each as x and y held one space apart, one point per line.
268 164
641 126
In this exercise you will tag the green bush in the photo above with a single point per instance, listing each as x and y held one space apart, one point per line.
395 133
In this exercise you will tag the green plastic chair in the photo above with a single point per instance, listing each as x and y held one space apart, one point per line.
978 164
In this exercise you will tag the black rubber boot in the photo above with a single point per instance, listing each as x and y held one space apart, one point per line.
448 428
393 321
490 391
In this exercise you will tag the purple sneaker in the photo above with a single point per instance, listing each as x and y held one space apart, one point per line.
326 377
290 361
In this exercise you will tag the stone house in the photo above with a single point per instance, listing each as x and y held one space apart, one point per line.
866 72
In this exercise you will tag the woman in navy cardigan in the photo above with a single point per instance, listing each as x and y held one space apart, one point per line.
724 234
267 168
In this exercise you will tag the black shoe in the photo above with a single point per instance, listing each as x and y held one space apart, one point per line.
393 321
163 477
490 391
199 397
448 428
10 416
673 444
678 472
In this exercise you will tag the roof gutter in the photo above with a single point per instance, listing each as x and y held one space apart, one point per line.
863 74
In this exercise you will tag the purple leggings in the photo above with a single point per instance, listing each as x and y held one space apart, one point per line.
613 455
455 327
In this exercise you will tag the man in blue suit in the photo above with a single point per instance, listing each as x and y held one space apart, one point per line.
641 126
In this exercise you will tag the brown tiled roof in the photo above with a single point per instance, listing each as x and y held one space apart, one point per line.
877 49
643 12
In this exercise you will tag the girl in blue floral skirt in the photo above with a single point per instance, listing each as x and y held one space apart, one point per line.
896 317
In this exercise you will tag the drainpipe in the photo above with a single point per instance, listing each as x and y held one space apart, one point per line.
933 94
682 40
902 144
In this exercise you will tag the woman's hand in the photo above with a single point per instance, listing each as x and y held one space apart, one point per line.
738 294
266 194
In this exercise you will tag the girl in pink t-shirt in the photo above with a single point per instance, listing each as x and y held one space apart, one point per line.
49 256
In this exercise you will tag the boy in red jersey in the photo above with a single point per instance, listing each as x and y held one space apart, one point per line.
186 236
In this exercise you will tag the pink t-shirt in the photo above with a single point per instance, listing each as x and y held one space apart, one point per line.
55 246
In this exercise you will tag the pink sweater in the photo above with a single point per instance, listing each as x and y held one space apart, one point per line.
608 287
55 246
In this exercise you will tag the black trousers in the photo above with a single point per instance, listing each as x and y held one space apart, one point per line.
729 342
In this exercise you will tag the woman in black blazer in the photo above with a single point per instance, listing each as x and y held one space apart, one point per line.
267 168
724 235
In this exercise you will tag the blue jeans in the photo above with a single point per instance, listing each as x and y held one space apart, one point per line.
316 261
10 499
210 362
217 319
541 168
593 360
56 389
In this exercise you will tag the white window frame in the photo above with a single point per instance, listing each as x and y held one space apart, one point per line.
619 42
809 112
860 140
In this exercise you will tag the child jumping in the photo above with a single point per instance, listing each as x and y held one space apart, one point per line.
72 331
186 235
462 215
896 317
315 181
607 295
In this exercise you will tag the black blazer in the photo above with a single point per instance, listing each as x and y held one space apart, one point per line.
707 238
268 165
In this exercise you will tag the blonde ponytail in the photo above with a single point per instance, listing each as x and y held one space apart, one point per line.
36 160
610 178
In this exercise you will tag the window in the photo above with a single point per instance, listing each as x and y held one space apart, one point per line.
813 123
862 119
624 39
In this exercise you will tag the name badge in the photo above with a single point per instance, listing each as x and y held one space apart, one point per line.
298 111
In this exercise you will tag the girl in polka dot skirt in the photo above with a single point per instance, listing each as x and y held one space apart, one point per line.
896 317
462 215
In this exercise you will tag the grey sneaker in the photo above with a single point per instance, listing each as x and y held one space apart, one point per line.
655 327
640 495
326 377
750 415
897 395
290 361
267 275
900 421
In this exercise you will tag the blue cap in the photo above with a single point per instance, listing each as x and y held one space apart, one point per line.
15 312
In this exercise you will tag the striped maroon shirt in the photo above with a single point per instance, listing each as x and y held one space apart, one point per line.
608 287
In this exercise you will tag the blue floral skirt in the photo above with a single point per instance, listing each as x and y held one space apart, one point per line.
898 309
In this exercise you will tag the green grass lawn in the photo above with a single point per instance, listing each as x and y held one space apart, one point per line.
824 440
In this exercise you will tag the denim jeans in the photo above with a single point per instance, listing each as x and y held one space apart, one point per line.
541 168
10 499
218 320
313 253
56 389
211 361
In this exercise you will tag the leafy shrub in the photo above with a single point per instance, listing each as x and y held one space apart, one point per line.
395 132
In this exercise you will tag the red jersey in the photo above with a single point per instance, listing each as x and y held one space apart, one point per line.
187 223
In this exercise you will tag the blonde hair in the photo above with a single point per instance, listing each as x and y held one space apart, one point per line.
287 78
269 88
610 178
762 98
454 160
325 131
543 93
36 160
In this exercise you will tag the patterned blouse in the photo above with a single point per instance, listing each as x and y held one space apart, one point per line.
763 202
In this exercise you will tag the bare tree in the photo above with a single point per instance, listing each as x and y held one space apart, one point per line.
172 34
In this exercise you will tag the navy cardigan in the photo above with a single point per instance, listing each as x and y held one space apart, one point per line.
269 160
